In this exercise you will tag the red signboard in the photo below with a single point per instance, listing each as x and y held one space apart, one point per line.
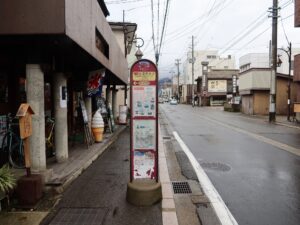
144 120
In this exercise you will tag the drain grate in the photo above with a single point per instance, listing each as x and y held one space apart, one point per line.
166 137
181 187
215 166
79 216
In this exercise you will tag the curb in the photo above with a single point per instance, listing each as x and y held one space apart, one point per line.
287 125
169 215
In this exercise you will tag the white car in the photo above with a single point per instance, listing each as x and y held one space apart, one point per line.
173 102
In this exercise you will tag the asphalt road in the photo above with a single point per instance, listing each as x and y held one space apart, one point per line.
254 165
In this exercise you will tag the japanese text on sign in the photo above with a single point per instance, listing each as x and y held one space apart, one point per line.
144 76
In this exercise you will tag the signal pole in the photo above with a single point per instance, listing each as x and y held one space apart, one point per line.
178 73
272 107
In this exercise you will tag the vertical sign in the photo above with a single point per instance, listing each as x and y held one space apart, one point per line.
144 120
234 83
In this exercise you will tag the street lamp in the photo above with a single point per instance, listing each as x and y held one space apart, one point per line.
139 53
289 53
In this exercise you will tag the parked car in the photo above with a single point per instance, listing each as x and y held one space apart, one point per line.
160 100
173 102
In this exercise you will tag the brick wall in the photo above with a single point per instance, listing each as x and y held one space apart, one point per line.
297 13
297 68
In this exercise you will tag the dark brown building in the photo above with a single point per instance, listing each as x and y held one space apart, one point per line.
47 51
297 57
218 86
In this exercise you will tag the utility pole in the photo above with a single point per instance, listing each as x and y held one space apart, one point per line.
272 106
193 61
289 81
178 73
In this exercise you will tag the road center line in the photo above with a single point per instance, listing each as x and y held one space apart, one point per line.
277 144
216 201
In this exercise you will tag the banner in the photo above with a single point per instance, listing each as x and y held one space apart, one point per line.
94 84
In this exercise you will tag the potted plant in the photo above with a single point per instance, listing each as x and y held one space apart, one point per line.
7 182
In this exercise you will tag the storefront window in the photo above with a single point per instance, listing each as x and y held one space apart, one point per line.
22 89
3 88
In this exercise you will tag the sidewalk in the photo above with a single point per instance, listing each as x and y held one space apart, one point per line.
280 120
111 167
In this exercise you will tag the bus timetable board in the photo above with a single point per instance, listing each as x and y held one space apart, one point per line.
144 120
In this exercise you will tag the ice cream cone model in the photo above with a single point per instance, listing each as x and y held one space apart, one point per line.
97 126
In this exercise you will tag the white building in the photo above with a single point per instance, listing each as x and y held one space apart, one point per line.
254 60
255 82
214 62
262 60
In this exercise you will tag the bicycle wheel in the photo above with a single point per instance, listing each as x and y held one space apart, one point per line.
15 151
4 151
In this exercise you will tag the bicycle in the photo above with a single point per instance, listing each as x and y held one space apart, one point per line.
13 144
49 137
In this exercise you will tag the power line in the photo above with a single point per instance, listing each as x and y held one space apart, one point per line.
163 28
152 15
249 29
122 1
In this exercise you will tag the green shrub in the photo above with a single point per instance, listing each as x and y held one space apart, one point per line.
7 179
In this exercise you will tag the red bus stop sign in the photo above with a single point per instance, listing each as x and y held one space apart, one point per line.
144 121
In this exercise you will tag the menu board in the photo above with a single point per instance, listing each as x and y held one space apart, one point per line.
144 144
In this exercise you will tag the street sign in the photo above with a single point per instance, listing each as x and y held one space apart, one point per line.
144 125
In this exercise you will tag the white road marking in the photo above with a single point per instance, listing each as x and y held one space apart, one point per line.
288 148
216 201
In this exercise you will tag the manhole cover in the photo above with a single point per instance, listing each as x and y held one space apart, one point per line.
215 166
79 216
181 187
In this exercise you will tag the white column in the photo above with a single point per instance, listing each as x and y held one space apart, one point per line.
35 98
61 117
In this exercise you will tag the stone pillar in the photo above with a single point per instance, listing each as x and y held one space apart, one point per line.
35 98
88 106
114 102
61 116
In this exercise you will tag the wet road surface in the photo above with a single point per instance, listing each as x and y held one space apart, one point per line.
248 160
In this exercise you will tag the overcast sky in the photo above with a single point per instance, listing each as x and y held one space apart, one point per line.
235 27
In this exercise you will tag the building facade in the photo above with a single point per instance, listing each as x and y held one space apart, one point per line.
254 85
215 62
217 87
48 49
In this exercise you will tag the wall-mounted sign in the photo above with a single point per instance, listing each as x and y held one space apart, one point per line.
144 125
84 112
94 84
63 96
217 85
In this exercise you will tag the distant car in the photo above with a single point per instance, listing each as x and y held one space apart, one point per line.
173 102
160 100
